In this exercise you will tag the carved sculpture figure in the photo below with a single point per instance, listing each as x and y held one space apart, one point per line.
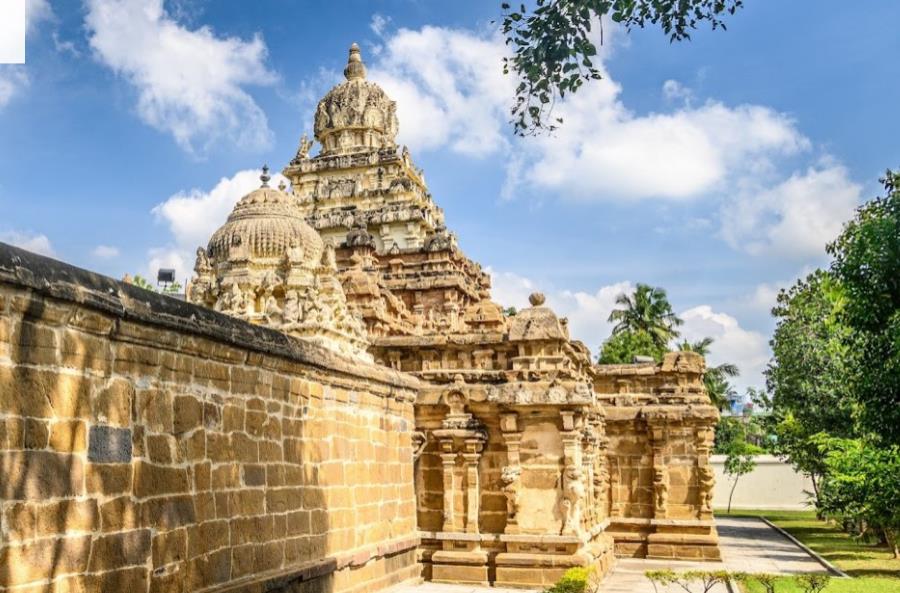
661 489
707 482
573 493
510 478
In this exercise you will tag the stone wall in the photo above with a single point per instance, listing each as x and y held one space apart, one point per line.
773 484
151 445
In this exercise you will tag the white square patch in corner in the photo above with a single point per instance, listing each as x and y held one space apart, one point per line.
12 31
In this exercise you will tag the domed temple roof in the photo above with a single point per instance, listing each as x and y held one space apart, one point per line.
264 224
356 114
268 266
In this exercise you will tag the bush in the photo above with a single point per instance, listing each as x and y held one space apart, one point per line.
574 580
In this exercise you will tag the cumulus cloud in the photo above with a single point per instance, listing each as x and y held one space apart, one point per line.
34 242
191 83
105 251
452 94
748 349
796 217
13 79
168 257
588 313
449 88
193 215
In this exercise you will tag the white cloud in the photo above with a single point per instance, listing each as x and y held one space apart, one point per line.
190 83
192 216
588 313
105 251
674 90
449 88
167 257
379 24
451 91
748 349
35 12
603 151
34 242
796 217
13 79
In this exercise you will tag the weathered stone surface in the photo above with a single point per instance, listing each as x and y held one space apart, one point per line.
39 475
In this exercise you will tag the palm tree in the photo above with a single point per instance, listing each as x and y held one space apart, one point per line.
716 378
648 310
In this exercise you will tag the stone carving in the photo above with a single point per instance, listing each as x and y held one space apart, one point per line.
707 483
510 478
660 490
304 148
266 265
573 493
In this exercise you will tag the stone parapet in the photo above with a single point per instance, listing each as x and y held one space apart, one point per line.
147 444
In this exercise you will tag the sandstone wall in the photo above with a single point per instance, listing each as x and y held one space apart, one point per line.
150 445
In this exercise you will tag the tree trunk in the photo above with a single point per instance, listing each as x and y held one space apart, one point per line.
731 494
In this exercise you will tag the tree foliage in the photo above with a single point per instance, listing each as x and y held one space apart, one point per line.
867 265
646 311
716 378
807 377
862 482
621 348
835 375
555 48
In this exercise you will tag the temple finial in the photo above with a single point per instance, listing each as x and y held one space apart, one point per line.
355 68
265 176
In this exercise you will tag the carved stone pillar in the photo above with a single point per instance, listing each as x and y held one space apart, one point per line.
512 472
448 461
471 456
706 478
659 436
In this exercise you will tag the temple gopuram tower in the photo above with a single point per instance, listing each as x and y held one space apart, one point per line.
529 458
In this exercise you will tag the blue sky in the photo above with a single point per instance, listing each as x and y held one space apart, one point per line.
716 168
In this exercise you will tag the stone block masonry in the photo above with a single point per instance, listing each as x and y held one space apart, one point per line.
150 445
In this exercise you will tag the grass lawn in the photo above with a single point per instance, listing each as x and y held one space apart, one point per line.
872 567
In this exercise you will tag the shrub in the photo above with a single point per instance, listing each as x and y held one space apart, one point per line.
574 580
813 583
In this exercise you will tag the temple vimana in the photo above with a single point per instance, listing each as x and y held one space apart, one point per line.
337 406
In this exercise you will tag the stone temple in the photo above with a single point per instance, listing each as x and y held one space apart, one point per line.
340 406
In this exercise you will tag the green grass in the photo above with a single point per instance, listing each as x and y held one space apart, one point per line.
872 567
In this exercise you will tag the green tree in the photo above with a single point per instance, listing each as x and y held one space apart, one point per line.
621 348
646 311
862 482
807 376
554 50
867 265
141 282
715 379
738 462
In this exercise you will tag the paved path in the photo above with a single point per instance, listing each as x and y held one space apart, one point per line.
747 544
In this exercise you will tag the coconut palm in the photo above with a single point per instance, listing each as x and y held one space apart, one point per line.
716 378
648 310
